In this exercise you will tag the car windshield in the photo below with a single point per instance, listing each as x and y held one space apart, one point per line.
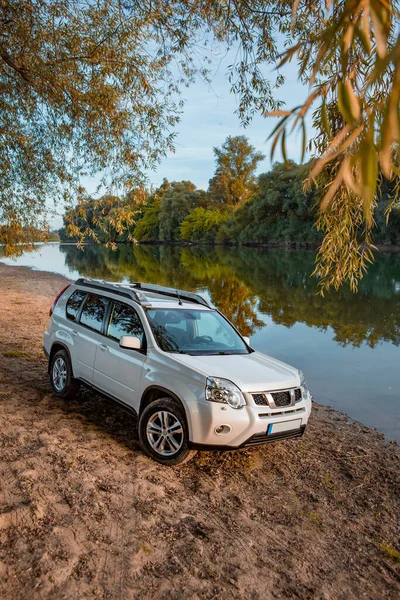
197 332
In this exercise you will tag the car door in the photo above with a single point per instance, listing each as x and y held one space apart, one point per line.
118 371
87 335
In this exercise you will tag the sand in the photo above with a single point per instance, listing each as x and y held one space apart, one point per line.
85 514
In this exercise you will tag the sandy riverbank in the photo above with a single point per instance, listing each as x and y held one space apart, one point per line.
83 513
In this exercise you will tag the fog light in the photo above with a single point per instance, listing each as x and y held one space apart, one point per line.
223 429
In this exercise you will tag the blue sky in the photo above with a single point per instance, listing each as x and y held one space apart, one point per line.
209 117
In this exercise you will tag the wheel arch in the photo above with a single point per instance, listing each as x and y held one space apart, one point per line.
154 392
55 348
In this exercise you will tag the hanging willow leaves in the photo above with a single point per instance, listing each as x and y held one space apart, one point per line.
352 60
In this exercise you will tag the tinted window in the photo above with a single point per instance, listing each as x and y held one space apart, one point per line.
93 312
124 321
74 304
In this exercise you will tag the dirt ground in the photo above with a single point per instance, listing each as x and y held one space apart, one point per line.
83 513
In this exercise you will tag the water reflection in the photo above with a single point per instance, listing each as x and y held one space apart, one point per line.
246 283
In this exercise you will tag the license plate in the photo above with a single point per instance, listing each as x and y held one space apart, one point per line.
284 426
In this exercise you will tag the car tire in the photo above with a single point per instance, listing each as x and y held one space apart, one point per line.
62 382
163 432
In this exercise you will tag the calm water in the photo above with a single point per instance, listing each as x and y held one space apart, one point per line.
347 345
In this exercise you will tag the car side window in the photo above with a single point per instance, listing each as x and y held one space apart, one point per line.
93 311
124 320
74 304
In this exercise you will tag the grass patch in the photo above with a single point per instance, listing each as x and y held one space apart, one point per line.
390 552
16 354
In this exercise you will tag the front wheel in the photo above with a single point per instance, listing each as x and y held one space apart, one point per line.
62 382
163 432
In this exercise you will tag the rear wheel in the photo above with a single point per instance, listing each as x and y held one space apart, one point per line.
163 432
62 382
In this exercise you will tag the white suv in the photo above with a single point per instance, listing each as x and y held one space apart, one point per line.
177 363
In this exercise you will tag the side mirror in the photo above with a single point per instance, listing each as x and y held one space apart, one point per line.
246 339
130 342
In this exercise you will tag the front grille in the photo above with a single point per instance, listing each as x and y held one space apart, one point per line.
263 438
260 399
272 415
281 398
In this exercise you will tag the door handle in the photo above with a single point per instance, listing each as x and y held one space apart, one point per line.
74 332
103 347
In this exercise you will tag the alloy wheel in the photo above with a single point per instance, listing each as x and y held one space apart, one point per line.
164 433
59 374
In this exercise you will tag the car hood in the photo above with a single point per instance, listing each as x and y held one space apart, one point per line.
255 372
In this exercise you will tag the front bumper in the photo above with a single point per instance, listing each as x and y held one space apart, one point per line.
255 440
244 427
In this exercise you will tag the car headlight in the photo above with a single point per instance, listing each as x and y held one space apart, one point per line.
223 390
303 383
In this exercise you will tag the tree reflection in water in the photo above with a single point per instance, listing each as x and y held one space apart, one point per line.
244 283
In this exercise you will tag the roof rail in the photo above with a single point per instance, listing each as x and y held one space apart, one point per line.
121 289
168 291
136 290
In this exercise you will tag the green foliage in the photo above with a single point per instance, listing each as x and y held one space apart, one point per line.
390 552
107 220
201 225
176 205
234 180
279 212
148 228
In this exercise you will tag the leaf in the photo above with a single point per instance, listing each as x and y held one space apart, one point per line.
333 188
288 55
369 174
341 143
348 176
304 140
283 145
295 6
349 104
278 113
325 118
274 143
379 32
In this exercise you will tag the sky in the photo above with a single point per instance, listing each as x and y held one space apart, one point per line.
208 119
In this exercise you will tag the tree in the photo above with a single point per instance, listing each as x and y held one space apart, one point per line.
279 211
234 180
87 87
107 220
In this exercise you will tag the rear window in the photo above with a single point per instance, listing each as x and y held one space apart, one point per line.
74 304
93 312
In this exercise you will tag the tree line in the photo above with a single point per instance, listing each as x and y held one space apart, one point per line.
238 208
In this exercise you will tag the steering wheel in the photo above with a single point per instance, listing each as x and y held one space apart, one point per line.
206 339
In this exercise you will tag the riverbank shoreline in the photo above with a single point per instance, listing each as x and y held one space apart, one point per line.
83 513
312 246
